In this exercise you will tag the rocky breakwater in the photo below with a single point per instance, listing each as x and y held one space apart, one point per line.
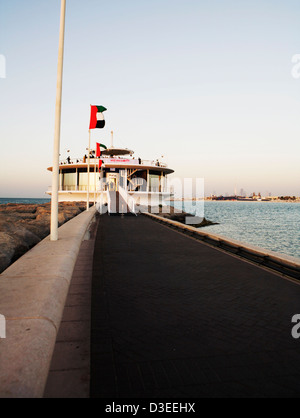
22 226
169 212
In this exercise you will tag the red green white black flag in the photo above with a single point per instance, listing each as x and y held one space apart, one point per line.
97 118
98 149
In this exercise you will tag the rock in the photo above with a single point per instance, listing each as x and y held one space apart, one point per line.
23 226
169 212
7 250
18 208
181 217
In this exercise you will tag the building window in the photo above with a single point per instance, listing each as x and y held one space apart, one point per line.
154 183
69 180
83 182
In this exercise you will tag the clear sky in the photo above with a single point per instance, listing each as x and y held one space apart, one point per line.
205 83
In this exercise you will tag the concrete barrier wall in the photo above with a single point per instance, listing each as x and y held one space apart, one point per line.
33 292
287 265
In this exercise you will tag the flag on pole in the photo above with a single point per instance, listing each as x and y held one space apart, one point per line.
97 119
100 164
98 150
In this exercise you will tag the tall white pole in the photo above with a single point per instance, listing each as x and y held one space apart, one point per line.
95 180
88 185
55 172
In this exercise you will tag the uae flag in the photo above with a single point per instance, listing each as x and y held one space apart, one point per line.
98 149
97 119
100 164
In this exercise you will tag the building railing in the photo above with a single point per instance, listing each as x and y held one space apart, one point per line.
165 190
94 161
154 163
72 161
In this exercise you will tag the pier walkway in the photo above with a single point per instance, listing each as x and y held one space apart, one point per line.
174 317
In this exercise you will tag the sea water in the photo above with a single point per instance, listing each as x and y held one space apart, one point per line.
22 200
272 226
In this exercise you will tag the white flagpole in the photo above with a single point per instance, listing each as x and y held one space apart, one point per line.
88 187
95 180
55 172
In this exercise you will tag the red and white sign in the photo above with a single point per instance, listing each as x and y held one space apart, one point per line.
120 161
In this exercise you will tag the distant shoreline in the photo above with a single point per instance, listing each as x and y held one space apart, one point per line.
29 200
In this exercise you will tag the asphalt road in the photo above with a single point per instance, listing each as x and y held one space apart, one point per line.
175 318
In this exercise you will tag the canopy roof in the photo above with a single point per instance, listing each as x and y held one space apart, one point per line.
116 151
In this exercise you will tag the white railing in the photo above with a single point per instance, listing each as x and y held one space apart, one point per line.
71 161
120 160
128 199
154 163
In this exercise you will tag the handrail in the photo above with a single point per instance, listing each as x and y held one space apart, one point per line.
93 160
